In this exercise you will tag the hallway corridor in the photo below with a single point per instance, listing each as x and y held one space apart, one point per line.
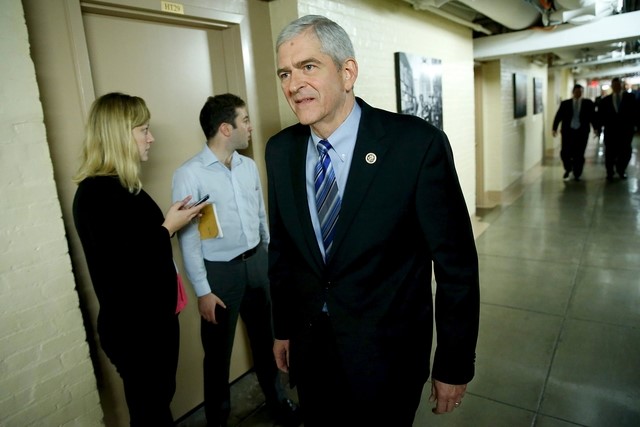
559 341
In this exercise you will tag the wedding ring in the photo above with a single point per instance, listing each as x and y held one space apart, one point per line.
457 404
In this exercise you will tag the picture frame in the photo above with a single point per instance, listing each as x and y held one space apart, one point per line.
519 95
537 96
419 87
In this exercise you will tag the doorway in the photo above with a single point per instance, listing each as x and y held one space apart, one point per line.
174 65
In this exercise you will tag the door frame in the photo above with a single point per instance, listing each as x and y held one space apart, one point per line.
234 26
228 72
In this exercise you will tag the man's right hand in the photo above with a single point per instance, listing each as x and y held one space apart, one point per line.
281 353
207 307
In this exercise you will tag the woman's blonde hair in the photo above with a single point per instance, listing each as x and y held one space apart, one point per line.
109 147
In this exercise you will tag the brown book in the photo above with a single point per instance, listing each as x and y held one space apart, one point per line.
208 225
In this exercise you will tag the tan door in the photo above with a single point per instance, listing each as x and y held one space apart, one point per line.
174 67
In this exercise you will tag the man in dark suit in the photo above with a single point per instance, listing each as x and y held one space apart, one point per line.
354 322
577 115
618 114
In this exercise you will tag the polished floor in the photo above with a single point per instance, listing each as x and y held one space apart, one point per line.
559 342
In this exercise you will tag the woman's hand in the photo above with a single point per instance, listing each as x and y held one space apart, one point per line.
180 214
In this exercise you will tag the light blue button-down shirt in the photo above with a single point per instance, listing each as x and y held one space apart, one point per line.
239 203
343 142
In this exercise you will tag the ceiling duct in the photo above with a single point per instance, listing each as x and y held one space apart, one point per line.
578 12
520 14
515 15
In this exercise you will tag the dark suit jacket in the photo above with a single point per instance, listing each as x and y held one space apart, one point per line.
399 213
620 125
564 115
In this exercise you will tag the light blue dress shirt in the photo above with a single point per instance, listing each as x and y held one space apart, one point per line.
343 142
239 202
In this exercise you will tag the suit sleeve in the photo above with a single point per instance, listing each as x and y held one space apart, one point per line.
558 117
446 223
277 270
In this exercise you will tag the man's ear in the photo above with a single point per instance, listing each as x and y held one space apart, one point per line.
225 128
349 73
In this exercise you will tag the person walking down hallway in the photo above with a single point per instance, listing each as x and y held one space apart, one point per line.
229 270
575 116
127 244
618 117
364 204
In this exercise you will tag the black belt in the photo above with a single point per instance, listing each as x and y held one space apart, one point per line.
246 255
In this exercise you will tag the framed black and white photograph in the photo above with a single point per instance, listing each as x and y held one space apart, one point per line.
419 87
519 95
537 95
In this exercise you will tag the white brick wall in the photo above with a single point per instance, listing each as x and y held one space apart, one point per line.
522 142
46 374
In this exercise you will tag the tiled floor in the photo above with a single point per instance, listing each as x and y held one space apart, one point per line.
559 341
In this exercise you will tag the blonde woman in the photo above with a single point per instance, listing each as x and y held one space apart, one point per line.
126 242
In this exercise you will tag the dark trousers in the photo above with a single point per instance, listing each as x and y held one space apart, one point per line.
148 366
244 288
574 144
617 153
328 400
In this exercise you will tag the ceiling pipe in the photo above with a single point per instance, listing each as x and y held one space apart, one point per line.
621 59
575 14
522 14
450 17
515 15
615 71
612 28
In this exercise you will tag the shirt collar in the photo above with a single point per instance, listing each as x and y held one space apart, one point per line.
209 158
343 139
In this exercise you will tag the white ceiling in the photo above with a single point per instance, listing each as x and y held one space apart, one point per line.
597 39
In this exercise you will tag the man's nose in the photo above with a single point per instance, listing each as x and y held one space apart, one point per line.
295 82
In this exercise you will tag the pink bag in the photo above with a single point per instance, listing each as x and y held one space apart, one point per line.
182 296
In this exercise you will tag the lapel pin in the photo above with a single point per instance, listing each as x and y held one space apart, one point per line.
370 158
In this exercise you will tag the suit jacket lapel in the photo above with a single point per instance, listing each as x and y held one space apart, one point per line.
368 154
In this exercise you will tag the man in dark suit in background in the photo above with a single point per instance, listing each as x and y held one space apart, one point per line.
577 115
354 322
619 115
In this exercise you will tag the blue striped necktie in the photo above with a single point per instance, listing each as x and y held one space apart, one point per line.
327 196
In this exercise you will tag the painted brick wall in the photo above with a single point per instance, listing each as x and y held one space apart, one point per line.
46 374
522 138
